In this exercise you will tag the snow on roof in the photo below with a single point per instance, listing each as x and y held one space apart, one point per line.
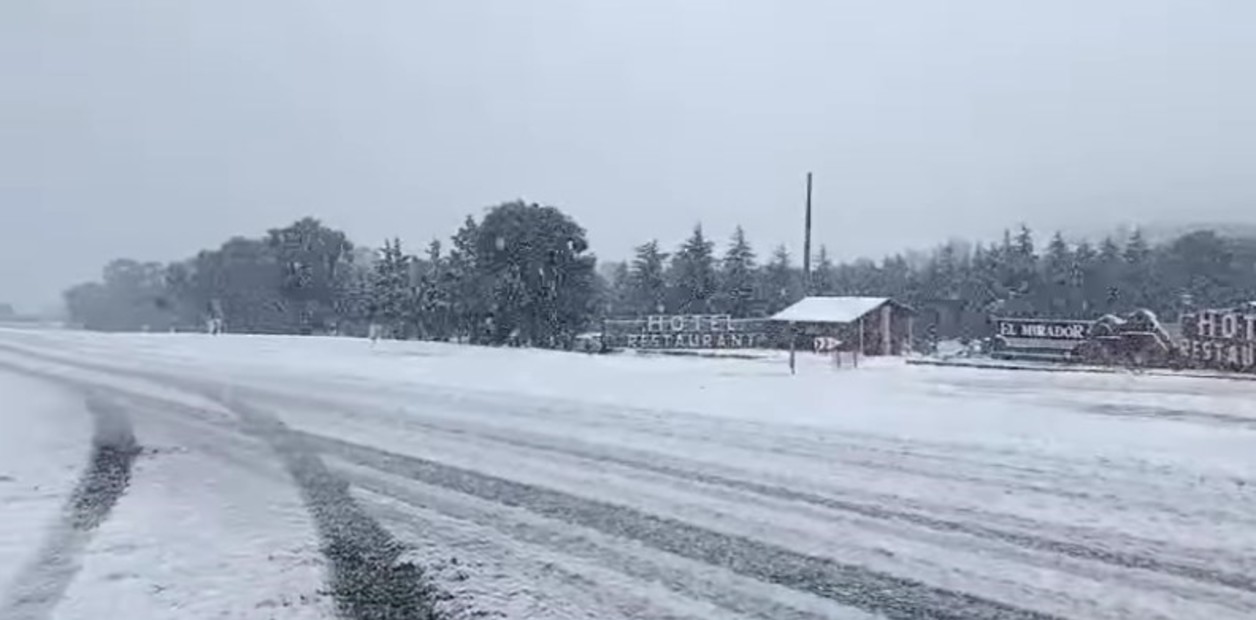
829 309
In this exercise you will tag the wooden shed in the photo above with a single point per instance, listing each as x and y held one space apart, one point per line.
870 325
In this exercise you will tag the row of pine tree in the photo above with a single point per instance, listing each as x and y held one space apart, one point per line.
523 274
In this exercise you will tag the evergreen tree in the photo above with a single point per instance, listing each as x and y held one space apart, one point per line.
1025 242
1085 279
543 284
894 278
737 277
1137 279
1022 272
824 276
693 275
1201 267
782 284
945 273
390 289
310 256
1110 272
617 293
647 280
433 301
1109 250
468 289
1056 298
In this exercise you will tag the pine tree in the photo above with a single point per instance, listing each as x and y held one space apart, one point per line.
1057 267
1025 242
824 276
433 296
1137 278
1136 249
1024 264
737 277
896 278
647 281
1084 278
390 288
468 290
1004 259
782 284
1109 273
980 289
693 275
944 273
617 294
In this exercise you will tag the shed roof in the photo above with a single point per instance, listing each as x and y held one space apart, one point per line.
831 309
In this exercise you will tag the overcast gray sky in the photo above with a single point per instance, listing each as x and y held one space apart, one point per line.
151 128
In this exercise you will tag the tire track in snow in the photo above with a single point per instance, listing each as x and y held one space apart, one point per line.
1195 569
40 586
368 580
732 595
932 459
1130 410
746 433
893 597
657 465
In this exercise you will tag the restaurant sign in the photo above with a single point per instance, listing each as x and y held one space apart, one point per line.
688 331
1221 338
1042 329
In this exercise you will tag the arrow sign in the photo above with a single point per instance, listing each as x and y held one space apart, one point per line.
824 344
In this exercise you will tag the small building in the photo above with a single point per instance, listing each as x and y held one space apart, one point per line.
869 325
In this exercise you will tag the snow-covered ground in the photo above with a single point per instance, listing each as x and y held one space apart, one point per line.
45 435
548 485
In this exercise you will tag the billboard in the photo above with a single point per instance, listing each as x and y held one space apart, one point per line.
1221 338
687 331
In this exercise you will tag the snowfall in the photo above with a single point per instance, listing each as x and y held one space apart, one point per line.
193 476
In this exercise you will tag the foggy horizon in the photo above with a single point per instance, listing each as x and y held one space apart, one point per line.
151 131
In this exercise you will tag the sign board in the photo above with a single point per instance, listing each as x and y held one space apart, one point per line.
688 331
1042 329
1221 338
826 344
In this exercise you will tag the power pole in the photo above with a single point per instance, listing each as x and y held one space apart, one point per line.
806 244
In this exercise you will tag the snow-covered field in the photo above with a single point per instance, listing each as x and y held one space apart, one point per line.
534 484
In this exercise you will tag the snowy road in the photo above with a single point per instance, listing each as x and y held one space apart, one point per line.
277 477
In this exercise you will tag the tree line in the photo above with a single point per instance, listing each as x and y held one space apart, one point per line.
520 274
1010 277
523 274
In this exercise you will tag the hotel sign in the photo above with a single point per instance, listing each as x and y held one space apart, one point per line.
1222 338
688 331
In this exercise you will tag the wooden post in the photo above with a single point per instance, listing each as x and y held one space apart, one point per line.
793 345
911 327
861 342
887 322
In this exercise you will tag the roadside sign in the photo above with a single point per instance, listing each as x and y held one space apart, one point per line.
826 344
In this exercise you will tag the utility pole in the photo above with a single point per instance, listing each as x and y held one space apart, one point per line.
806 244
